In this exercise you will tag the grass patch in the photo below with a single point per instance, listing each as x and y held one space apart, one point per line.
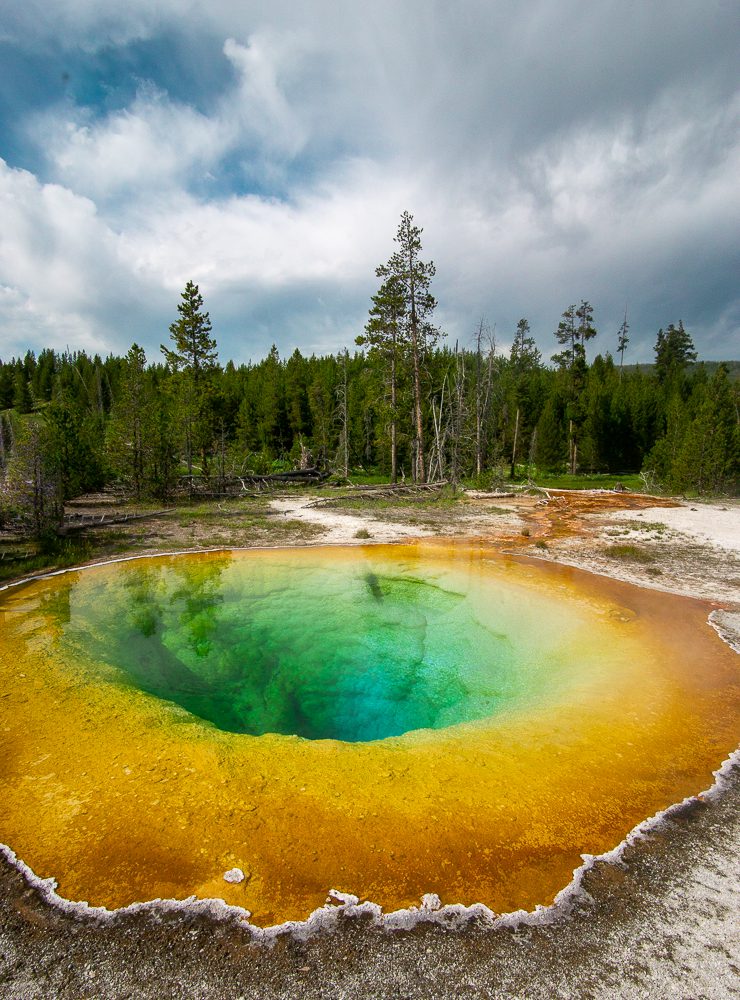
419 503
287 531
362 533
559 481
630 553
630 481
53 553
654 526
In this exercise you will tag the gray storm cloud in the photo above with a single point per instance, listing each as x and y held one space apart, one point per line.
552 152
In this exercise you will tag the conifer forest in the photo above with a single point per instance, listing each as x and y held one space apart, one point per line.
404 404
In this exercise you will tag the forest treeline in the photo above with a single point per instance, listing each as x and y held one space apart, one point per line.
403 404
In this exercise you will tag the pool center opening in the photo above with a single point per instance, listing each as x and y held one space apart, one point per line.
353 654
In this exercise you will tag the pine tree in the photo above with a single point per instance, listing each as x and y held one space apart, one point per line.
550 452
706 460
566 336
597 437
75 446
296 396
524 360
674 350
586 329
193 361
271 413
383 334
195 350
44 376
138 436
622 341
29 491
321 402
22 401
161 452
413 278
575 328
342 411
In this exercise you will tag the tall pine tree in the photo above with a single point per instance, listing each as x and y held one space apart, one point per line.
192 361
413 277
383 335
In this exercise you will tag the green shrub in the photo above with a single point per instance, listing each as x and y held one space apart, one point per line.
631 553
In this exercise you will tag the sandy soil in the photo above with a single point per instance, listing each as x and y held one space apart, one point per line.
339 528
476 515
663 923
689 550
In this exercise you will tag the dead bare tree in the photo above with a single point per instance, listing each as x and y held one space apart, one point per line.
484 337
341 393
458 415
437 456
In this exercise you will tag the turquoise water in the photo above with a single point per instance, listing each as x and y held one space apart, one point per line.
314 647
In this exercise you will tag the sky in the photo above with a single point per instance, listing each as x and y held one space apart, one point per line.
551 151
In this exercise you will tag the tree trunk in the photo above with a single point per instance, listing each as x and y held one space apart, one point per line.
344 417
516 442
478 402
571 449
420 476
482 396
394 444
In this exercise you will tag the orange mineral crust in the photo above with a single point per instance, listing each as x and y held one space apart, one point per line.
550 711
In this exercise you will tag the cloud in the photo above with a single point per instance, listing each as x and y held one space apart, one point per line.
69 278
83 23
55 232
551 152
62 275
146 148
637 216
261 106
334 232
156 144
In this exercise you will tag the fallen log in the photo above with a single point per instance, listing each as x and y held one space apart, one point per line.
413 493
227 485
77 522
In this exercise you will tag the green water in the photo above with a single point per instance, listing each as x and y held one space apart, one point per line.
352 650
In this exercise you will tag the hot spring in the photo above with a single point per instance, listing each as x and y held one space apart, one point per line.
387 721
323 649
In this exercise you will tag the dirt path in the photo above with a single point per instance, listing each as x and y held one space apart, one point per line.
340 528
